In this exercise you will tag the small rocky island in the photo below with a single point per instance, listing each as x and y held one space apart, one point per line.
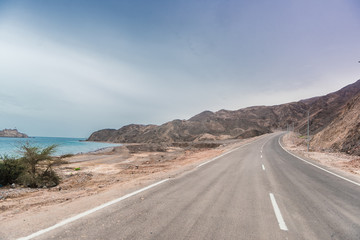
12 133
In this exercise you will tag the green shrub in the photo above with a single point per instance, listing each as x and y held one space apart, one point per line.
33 169
38 165
10 170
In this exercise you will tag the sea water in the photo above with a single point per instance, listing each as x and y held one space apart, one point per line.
11 146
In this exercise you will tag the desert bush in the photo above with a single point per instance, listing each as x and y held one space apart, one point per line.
38 166
10 170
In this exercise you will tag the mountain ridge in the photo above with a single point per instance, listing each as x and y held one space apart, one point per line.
241 123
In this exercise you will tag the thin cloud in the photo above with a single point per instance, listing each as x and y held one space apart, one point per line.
87 66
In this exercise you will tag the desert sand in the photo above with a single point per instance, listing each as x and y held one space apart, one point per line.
102 176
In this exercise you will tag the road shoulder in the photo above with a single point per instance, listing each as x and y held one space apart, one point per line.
342 164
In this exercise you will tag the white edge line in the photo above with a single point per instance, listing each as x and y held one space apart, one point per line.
344 178
76 217
278 215
202 164
263 167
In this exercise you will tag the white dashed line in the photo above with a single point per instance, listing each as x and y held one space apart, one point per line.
263 167
262 147
202 164
279 217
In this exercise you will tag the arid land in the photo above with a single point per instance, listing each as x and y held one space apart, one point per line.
102 176
89 180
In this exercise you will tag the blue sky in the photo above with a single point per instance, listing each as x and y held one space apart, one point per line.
68 68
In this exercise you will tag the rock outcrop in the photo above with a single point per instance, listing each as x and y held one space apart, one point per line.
12 133
342 134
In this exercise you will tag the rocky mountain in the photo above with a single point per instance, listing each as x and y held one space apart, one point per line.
342 134
242 123
12 133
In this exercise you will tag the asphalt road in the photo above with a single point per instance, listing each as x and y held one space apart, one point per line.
258 191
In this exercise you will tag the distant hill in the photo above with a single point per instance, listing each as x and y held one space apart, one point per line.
12 133
242 123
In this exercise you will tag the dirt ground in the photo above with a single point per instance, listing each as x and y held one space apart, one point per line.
89 180
336 160
107 174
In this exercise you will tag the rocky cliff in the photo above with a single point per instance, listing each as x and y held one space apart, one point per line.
12 133
242 123
342 134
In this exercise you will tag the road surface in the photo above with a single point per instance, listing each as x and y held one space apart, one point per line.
258 191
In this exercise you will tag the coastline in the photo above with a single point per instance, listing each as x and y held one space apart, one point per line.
74 146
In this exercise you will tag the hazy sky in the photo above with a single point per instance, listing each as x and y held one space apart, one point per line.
70 67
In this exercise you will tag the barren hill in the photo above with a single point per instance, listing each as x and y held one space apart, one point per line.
343 134
241 123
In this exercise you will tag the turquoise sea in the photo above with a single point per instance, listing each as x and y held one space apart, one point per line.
10 146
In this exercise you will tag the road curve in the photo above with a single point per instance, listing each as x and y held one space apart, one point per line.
258 191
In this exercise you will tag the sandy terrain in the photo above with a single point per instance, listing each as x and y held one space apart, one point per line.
114 172
103 176
347 164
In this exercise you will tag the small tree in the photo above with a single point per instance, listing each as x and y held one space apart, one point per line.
38 165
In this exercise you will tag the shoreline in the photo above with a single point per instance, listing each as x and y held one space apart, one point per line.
65 146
